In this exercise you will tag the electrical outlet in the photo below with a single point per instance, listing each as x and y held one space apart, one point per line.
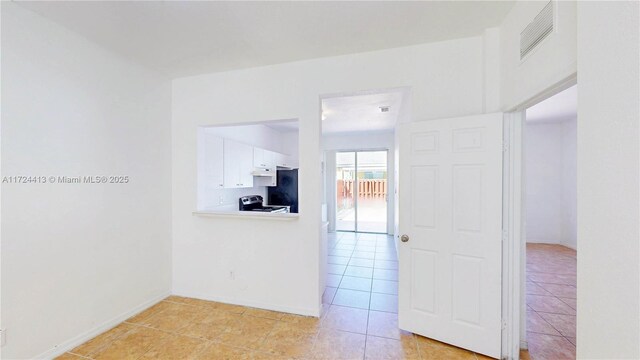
221 200
3 337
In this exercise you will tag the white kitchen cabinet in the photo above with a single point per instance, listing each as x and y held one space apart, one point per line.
260 158
214 162
263 159
264 162
265 180
238 164
285 161
270 157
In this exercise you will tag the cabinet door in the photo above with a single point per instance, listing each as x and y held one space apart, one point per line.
259 158
264 159
238 164
283 160
270 159
245 165
231 165
214 162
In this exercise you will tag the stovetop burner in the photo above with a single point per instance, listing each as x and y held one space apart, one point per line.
269 209
254 203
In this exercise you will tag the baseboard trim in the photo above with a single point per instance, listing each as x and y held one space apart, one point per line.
107 325
544 241
254 304
552 242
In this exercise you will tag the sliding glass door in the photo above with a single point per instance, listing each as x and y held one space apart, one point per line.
371 208
345 188
361 191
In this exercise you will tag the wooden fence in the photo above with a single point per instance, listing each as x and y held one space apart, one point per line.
366 188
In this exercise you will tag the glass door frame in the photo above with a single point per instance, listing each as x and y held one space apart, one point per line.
355 190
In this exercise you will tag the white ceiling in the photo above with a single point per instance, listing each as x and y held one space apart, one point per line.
182 38
560 107
283 126
360 113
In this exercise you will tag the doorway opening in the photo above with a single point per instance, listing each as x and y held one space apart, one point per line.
550 197
362 191
359 159
363 270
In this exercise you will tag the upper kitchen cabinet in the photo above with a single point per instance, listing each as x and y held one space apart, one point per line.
238 164
285 161
263 159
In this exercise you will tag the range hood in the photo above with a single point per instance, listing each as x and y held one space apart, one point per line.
263 172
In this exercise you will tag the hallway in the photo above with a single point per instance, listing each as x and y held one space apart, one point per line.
361 300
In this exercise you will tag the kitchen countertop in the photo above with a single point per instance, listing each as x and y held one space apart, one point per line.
246 214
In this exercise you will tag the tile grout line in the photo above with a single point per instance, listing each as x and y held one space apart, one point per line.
370 299
547 312
78 355
104 347
556 261
366 329
205 340
548 323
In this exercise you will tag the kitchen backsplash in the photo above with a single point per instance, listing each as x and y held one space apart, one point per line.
229 197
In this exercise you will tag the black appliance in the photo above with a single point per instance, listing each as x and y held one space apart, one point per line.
286 190
254 203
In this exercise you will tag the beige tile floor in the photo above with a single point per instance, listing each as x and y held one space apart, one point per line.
359 322
551 302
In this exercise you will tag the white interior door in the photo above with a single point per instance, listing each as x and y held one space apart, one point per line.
451 212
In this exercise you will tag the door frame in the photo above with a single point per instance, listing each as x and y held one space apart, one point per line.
355 190
513 251
355 187
514 314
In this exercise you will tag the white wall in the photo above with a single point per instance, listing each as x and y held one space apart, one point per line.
290 145
354 141
550 66
609 180
276 264
78 256
550 166
331 143
553 60
492 68
260 136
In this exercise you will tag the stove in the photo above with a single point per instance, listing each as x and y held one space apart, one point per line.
255 203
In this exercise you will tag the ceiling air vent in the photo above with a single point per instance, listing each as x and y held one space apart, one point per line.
537 30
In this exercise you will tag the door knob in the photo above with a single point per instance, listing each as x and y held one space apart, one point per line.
404 238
